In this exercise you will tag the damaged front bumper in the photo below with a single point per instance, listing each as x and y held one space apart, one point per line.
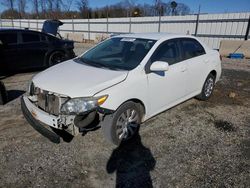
34 117
40 119
43 121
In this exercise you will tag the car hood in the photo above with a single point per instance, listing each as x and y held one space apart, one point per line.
74 79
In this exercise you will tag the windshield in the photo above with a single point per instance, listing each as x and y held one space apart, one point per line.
118 53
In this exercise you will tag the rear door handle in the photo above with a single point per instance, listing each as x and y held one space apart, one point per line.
206 60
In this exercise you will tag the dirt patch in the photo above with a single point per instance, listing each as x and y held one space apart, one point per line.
224 125
232 81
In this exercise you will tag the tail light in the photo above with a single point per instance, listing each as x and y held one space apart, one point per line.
220 57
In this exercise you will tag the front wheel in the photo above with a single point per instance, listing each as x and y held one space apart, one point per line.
123 124
55 58
207 88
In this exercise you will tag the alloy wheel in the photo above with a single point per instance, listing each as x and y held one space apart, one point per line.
127 124
209 85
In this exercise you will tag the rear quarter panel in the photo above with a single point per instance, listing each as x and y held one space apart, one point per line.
214 63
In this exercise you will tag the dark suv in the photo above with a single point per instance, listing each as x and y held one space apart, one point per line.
23 49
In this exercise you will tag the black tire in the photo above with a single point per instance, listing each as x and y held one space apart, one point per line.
55 58
1 99
112 123
207 88
3 94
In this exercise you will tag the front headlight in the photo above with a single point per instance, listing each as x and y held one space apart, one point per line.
80 105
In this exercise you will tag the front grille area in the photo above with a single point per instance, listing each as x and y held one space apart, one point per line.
48 102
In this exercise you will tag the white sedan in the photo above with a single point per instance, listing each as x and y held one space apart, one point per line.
121 82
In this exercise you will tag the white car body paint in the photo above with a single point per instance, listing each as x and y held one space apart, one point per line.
157 92
76 80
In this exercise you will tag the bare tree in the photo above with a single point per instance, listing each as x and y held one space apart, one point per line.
9 4
182 9
50 5
129 5
21 7
36 7
148 10
157 4
58 4
83 6
43 6
67 4
58 9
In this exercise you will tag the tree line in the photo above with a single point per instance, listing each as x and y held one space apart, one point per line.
62 9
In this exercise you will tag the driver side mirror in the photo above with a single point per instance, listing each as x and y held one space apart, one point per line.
159 66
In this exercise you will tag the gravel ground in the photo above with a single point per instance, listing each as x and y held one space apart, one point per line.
195 144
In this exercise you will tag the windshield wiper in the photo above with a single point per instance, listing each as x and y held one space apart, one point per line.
96 64
88 62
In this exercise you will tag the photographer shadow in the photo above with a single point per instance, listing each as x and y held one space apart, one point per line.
132 163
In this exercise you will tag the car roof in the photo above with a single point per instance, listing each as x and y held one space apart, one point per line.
16 29
153 36
25 30
9 28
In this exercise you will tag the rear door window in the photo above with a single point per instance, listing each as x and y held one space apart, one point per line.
8 38
191 48
30 37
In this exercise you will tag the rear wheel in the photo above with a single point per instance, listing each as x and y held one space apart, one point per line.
1 99
123 124
55 58
207 88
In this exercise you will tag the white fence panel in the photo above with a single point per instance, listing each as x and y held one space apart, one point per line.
211 28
